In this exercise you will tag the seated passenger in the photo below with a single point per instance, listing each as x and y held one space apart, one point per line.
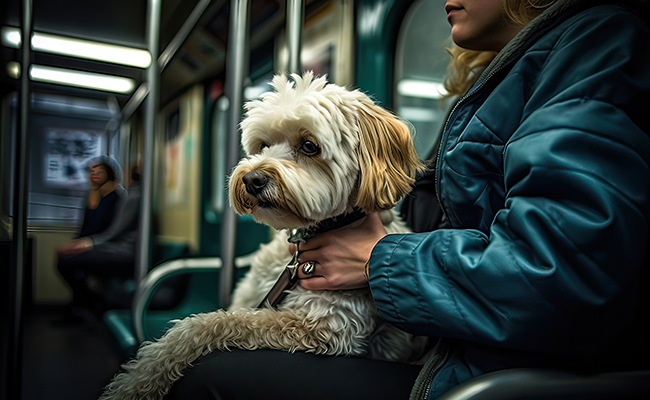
106 200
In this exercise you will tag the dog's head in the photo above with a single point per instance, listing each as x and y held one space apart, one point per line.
316 150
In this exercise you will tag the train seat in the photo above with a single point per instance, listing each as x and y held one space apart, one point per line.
117 292
145 321
549 384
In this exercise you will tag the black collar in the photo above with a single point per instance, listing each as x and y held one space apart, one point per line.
304 234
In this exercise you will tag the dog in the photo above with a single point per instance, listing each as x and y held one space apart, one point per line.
314 151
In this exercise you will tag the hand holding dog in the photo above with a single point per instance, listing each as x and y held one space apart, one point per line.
340 256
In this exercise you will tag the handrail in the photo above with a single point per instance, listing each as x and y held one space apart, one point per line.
168 53
295 22
236 71
166 270
184 31
12 348
156 276
143 252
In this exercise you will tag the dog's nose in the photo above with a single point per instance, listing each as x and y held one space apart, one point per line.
255 182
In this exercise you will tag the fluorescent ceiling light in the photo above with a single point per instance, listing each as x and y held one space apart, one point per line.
13 69
11 37
253 92
423 89
86 80
418 114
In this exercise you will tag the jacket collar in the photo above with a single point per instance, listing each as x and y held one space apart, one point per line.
550 18
303 234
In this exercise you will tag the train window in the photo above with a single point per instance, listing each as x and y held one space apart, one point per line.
67 132
220 129
420 69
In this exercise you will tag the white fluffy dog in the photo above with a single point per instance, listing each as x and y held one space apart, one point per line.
314 151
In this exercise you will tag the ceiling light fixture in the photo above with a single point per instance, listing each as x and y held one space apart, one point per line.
13 69
422 89
11 37
81 79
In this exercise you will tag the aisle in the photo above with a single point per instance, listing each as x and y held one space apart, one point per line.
65 363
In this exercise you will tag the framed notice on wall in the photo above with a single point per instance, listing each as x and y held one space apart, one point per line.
67 153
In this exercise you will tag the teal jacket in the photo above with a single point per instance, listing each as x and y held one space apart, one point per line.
544 177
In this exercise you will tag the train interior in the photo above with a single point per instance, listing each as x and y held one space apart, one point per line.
70 122
164 106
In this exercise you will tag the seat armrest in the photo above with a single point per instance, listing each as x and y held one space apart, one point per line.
155 277
552 384
167 270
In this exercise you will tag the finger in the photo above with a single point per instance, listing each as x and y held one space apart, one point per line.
292 248
314 243
314 283
307 269
309 255
304 246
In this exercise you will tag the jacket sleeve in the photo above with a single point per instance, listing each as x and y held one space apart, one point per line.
560 268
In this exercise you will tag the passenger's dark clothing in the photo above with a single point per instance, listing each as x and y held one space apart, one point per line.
543 175
101 262
272 374
112 255
98 219
122 232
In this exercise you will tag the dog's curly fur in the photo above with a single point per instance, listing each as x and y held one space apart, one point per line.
322 150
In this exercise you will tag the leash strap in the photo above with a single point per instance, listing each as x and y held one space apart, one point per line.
289 277
287 281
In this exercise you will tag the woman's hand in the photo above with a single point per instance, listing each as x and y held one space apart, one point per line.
340 256
75 246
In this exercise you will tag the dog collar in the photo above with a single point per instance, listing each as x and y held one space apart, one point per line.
303 234
289 277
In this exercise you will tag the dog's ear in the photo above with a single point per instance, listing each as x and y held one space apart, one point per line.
387 157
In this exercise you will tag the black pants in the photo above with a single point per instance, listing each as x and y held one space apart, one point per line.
272 374
103 261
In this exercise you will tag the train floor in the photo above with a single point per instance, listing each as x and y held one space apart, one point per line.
65 362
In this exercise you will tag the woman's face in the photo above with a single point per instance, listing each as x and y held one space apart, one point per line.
479 24
98 175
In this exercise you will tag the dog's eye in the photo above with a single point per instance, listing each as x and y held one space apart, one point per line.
309 148
263 146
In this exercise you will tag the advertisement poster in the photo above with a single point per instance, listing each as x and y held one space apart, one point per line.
67 154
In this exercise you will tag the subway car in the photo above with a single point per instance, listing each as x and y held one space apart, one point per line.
158 86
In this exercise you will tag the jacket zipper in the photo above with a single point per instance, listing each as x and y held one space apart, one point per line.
438 358
513 56
445 132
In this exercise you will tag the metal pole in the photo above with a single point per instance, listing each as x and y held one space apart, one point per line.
236 71
295 19
204 7
182 34
19 243
150 114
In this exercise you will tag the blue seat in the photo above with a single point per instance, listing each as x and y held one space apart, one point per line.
132 327
118 292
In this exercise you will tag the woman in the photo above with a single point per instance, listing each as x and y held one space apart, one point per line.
105 194
105 199
543 177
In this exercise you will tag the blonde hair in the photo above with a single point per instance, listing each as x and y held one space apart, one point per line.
467 65
521 12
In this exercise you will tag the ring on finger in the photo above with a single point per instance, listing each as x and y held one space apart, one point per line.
308 267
